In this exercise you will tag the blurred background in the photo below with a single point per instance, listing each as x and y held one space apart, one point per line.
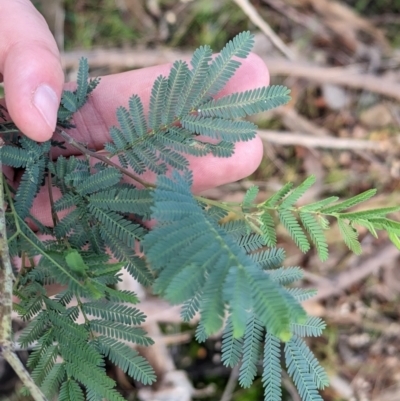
341 59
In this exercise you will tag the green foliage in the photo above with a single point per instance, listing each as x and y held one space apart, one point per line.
195 255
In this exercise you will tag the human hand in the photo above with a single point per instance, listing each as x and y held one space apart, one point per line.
30 59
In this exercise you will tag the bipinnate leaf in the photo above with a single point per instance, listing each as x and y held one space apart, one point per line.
194 239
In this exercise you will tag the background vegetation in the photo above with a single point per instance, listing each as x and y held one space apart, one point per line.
342 125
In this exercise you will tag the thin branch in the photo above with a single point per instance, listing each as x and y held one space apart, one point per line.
6 292
230 386
6 273
12 358
257 20
138 58
71 141
310 141
335 286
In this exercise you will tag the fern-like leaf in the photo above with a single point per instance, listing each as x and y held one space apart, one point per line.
157 101
121 331
71 391
299 370
195 79
246 103
103 179
223 66
370 214
53 380
176 81
286 275
308 361
355 200
316 234
127 359
231 346
251 351
278 196
69 101
249 197
219 128
127 126
267 226
350 236
293 227
270 258
185 236
137 114
114 312
235 289
119 226
14 157
271 377
313 327
82 82
297 193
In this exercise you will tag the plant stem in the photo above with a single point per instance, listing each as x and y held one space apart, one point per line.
6 276
12 358
71 141
6 291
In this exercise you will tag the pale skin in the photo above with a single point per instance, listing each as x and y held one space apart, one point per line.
33 82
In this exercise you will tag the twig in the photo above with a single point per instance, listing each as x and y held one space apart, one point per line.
230 386
311 23
6 274
6 291
339 76
257 20
123 59
139 58
353 276
71 141
12 358
309 141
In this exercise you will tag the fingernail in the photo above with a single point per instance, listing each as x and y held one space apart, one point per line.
46 101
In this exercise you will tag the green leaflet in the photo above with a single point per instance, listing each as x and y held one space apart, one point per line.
249 197
246 103
128 360
219 128
355 200
299 369
297 193
176 81
157 100
271 377
251 351
312 327
70 390
350 236
316 234
223 66
231 346
194 80
291 224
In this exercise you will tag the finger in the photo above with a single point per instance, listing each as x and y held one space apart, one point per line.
31 68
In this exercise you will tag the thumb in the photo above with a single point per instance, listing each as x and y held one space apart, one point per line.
31 69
